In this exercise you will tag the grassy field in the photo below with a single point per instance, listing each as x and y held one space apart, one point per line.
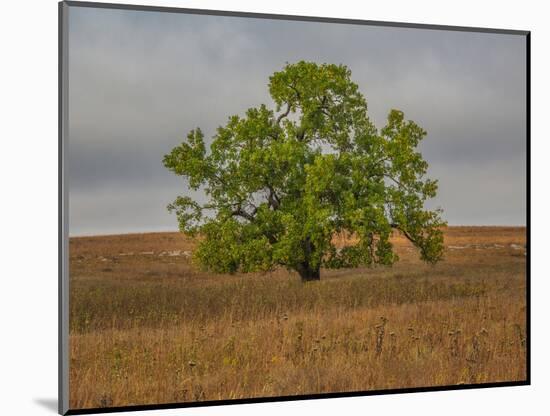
147 326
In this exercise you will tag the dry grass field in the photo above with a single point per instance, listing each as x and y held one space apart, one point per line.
147 326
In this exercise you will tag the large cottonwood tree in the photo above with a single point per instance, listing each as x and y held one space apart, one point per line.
279 185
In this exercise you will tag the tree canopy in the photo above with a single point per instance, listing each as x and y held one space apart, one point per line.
279 184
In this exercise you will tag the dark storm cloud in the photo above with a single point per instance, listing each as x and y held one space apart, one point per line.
138 82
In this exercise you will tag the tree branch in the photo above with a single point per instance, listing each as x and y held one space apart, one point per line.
285 114
272 199
398 183
240 212
298 96
301 134
405 233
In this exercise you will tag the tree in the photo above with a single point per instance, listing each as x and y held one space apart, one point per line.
279 185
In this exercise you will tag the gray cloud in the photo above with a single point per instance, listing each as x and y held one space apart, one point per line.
139 81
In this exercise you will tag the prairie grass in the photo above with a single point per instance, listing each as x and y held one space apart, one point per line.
147 326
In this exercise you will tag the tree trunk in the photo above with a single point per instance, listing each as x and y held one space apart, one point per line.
309 274
306 271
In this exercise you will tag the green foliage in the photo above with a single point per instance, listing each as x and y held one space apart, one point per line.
280 185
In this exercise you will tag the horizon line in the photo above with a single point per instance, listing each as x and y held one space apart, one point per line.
178 231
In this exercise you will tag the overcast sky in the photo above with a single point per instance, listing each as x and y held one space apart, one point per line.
139 81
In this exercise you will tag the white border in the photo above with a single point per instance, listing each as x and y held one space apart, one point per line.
29 210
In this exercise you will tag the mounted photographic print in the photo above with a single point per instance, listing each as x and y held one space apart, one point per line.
265 208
